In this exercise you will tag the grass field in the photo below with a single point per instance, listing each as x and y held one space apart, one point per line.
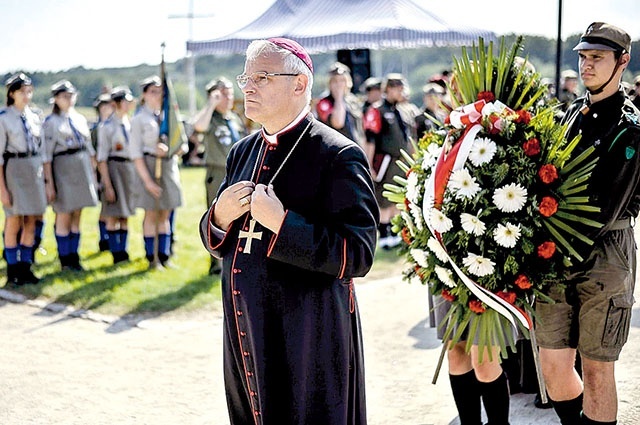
129 288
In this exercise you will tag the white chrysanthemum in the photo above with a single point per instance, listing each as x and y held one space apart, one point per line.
472 224
420 257
506 235
412 188
463 184
477 265
510 198
416 212
431 155
440 222
445 276
482 151
437 249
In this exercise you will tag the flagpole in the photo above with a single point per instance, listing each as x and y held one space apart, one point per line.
158 170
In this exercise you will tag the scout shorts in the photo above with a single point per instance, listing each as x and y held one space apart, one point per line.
593 314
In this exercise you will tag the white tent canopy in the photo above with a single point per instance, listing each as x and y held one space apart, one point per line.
328 25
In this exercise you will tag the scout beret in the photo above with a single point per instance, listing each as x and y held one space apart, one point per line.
150 81
62 86
121 92
338 68
432 88
569 73
19 80
394 80
218 83
103 98
371 83
602 36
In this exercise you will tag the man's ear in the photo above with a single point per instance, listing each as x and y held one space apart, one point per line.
624 59
301 84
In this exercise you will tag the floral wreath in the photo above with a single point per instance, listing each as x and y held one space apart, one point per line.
492 203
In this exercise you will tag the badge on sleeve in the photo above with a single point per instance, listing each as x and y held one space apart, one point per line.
629 152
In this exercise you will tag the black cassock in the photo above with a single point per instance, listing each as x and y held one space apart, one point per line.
292 337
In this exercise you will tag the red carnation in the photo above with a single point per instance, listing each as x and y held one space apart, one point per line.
548 206
531 147
509 297
476 306
523 282
548 173
523 116
487 96
546 250
448 296
406 236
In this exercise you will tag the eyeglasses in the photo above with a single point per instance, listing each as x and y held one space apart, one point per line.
259 79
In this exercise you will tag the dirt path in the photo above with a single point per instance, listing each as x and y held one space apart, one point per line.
58 369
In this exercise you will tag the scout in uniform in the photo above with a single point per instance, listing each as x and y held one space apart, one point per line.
104 109
117 173
341 109
387 134
68 156
221 128
161 193
22 189
591 316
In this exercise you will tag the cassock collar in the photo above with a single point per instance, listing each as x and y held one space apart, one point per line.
272 139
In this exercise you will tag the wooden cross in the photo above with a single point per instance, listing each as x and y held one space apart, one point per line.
250 236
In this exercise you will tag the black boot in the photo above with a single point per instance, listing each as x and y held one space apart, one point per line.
12 275
466 394
25 275
103 245
495 397
64 261
120 256
569 411
164 260
74 262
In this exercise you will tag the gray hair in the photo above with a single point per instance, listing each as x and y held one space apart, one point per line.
292 64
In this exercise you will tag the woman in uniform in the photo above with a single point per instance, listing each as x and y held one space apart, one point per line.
158 172
104 109
22 189
117 172
68 170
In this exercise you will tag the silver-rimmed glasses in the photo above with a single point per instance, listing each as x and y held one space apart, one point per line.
260 78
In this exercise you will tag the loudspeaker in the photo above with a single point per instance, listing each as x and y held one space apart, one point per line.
359 62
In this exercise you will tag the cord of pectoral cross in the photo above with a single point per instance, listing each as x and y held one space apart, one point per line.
255 166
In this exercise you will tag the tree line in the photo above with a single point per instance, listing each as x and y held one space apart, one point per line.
418 65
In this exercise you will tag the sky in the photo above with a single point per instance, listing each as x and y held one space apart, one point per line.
46 35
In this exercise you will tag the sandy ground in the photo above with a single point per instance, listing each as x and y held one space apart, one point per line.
65 367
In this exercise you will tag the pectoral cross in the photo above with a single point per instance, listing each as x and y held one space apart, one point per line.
250 236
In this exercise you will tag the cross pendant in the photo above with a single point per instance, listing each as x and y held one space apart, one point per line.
250 236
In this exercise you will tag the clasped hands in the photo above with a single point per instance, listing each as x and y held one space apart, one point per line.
245 196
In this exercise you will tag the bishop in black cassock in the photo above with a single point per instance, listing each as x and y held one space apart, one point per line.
292 338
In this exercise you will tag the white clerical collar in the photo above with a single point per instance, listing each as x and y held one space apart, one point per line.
272 139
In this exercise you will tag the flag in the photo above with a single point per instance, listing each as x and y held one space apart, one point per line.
171 127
